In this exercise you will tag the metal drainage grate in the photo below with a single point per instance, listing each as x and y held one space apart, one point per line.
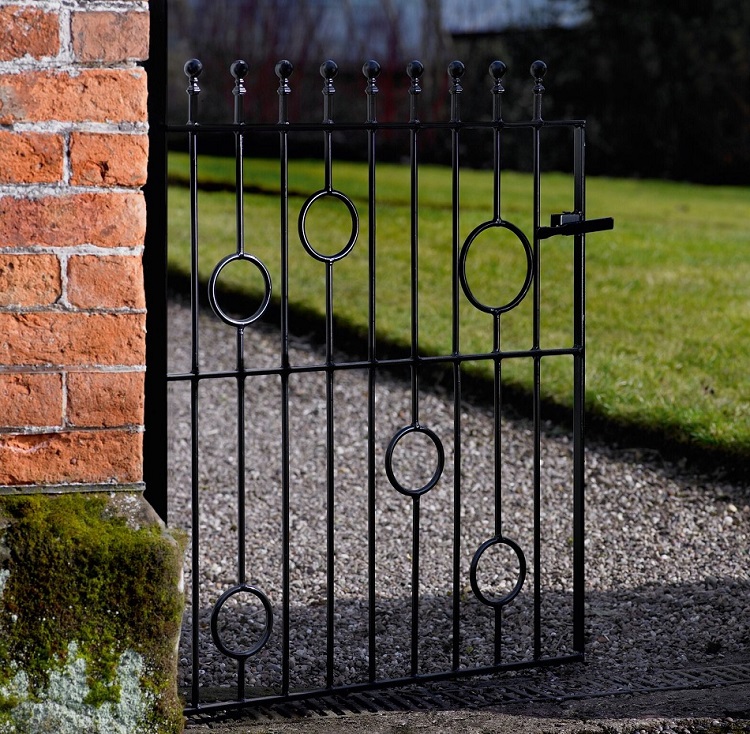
476 694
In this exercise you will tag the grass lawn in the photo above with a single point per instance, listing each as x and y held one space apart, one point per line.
668 290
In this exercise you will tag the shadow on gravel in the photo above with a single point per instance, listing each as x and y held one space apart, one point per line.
639 641
667 553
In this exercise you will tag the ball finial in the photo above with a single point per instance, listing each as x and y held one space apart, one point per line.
497 70
371 69
538 69
239 69
456 69
414 69
284 69
329 69
193 67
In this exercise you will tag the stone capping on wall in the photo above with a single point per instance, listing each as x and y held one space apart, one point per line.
58 489
73 156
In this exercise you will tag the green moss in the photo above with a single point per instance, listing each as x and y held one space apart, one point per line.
79 570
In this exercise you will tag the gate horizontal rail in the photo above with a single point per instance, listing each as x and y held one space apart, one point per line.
271 609
391 363
302 127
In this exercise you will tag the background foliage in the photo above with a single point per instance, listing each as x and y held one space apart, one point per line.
663 86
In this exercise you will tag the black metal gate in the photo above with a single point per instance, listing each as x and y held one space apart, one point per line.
487 573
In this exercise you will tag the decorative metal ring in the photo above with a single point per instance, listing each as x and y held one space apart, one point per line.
323 193
497 540
414 491
241 654
226 318
498 223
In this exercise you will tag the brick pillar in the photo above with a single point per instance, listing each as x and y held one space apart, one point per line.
90 591
73 154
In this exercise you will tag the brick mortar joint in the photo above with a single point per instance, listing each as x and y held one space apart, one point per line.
131 428
64 385
66 39
67 165
53 370
68 309
80 5
65 307
74 250
91 128
33 192
63 261
64 65
54 65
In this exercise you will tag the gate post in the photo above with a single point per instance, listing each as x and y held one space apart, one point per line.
82 556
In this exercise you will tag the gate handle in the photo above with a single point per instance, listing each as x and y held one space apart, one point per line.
569 223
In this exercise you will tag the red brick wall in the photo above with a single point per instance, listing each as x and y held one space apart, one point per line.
73 154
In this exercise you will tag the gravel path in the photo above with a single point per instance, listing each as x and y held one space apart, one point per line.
668 560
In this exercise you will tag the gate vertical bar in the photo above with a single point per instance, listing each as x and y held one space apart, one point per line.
579 391
330 482
538 69
414 91
193 69
371 70
328 71
283 71
497 70
456 70
239 70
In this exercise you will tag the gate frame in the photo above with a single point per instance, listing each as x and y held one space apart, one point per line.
155 266
569 223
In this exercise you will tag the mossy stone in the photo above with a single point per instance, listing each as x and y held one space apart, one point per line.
90 612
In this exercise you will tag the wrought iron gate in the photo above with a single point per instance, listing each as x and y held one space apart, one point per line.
471 597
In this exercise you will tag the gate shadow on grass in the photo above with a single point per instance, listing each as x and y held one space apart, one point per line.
665 440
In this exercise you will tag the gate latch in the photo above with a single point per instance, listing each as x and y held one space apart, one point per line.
569 223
